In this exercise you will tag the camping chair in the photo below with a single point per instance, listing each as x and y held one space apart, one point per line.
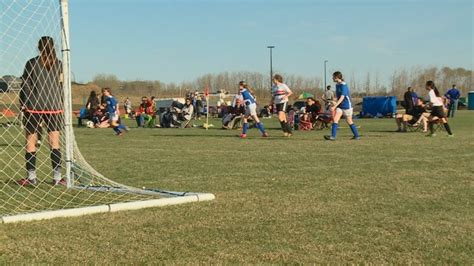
322 121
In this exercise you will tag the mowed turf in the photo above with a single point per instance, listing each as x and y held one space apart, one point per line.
388 198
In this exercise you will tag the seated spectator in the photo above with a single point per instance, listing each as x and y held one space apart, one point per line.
312 109
416 116
145 112
266 112
185 114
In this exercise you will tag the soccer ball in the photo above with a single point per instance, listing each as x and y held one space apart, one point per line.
90 124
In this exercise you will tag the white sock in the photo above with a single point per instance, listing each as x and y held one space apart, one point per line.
31 175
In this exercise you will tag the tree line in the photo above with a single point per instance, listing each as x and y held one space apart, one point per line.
370 84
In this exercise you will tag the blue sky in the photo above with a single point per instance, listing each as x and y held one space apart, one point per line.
179 40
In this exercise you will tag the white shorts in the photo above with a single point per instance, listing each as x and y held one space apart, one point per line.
345 112
113 118
251 109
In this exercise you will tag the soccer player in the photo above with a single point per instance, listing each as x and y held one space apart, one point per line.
280 93
250 110
113 111
41 99
342 107
436 109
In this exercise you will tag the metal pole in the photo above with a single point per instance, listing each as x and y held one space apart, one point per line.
325 75
69 135
271 64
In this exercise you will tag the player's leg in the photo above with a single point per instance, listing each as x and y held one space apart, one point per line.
335 124
259 125
355 132
53 125
398 120
245 126
31 123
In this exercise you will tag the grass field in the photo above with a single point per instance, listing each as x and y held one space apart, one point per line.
388 198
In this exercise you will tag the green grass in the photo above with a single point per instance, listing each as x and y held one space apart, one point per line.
389 198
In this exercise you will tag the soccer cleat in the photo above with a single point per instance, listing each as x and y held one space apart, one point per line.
243 136
27 182
60 182
329 138
265 135
119 134
450 135
431 135
355 138
285 134
289 135
126 129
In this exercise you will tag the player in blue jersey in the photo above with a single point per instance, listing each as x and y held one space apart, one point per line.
342 107
113 111
250 110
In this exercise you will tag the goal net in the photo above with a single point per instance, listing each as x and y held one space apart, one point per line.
42 172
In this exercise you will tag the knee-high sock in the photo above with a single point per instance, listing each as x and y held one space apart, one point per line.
259 125
56 159
354 130
288 127
431 127
30 158
334 129
283 126
448 129
245 127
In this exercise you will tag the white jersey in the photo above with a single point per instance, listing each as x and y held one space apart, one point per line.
434 100
280 92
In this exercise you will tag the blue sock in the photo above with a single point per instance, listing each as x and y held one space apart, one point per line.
260 127
244 128
121 126
334 129
117 130
354 130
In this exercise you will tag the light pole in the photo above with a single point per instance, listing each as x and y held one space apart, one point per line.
325 85
271 64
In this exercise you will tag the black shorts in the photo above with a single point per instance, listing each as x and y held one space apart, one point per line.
281 107
438 111
34 122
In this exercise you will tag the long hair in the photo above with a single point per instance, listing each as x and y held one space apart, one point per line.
47 52
432 85
93 95
278 77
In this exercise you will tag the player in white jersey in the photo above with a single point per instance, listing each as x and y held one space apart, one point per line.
436 109
280 93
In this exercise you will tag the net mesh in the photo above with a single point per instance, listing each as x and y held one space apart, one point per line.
32 107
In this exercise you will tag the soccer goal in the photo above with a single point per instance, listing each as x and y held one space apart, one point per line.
42 172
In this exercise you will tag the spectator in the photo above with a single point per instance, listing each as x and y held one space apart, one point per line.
186 113
328 97
266 112
408 101
92 104
144 112
127 105
312 109
452 96
414 119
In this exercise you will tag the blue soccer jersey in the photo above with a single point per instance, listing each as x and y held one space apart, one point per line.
111 104
343 90
247 96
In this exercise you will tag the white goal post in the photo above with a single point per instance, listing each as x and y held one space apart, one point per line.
37 196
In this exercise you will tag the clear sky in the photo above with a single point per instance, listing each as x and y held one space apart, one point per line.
179 40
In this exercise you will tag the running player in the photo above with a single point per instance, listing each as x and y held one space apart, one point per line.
250 110
436 109
41 99
280 93
342 107
113 111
